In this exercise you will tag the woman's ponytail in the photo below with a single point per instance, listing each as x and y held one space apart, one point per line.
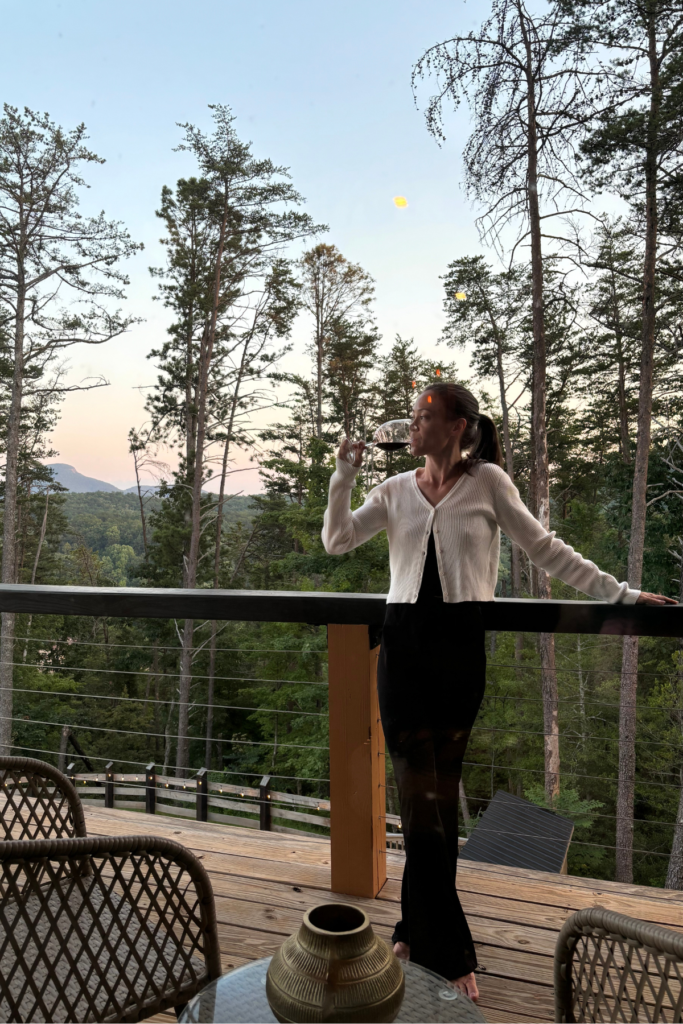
487 447
480 437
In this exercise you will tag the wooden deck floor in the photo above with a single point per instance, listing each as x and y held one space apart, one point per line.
265 881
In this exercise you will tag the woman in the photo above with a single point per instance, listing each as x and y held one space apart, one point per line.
443 523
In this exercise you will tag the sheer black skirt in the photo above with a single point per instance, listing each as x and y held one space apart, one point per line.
431 678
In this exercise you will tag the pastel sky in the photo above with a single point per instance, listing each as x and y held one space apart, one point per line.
323 88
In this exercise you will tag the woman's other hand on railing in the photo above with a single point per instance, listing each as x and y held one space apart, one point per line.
351 451
654 599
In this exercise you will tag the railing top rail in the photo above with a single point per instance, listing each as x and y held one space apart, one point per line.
320 608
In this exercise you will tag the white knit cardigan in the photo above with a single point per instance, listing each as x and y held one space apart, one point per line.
466 535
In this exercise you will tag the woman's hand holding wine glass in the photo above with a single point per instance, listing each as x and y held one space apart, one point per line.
390 437
351 451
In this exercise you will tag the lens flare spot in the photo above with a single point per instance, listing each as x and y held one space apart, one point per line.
460 296
438 373
400 201
429 398
413 383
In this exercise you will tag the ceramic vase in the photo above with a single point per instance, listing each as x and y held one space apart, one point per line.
335 969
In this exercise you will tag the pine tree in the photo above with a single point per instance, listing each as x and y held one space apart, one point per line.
57 269
229 285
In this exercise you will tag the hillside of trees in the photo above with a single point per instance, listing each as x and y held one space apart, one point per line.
109 525
572 321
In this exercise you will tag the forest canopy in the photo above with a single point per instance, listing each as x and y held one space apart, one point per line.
569 318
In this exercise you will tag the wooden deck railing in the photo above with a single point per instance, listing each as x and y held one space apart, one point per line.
224 803
357 813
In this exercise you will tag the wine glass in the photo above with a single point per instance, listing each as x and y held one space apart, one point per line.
390 437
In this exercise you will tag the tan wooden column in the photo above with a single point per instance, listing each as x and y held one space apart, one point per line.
357 778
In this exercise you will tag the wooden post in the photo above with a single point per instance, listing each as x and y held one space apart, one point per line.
150 789
357 781
264 804
109 785
202 795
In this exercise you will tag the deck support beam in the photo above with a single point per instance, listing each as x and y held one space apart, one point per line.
357 777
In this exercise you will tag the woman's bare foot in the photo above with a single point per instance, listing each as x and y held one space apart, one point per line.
402 950
468 986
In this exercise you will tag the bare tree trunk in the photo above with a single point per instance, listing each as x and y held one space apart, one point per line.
217 551
674 874
168 739
463 806
319 366
206 355
515 553
624 439
540 454
629 663
185 681
210 695
41 540
63 744
582 690
142 504
9 527
274 758
320 296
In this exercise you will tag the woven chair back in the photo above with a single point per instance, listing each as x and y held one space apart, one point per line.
609 967
131 936
37 802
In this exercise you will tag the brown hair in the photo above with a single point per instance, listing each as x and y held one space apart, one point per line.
480 436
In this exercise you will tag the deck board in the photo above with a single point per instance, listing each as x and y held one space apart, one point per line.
264 882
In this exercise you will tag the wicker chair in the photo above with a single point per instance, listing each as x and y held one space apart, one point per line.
609 967
37 802
103 929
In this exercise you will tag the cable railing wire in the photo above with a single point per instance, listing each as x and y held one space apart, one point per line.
165 675
159 647
592 814
170 767
255 802
577 671
148 674
478 727
160 735
580 700
573 775
151 674
154 700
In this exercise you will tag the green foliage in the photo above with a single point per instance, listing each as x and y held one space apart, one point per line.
115 682
569 804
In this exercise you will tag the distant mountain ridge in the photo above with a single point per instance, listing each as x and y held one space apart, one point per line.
77 482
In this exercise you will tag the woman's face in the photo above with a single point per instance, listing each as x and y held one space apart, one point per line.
431 431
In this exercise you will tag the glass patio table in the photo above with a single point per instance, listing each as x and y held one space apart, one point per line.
240 996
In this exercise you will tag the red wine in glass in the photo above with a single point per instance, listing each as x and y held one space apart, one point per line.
390 437
392 446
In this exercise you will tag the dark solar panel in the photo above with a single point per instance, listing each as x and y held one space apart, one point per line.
519 834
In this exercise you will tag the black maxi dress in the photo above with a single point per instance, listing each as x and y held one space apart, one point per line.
430 678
